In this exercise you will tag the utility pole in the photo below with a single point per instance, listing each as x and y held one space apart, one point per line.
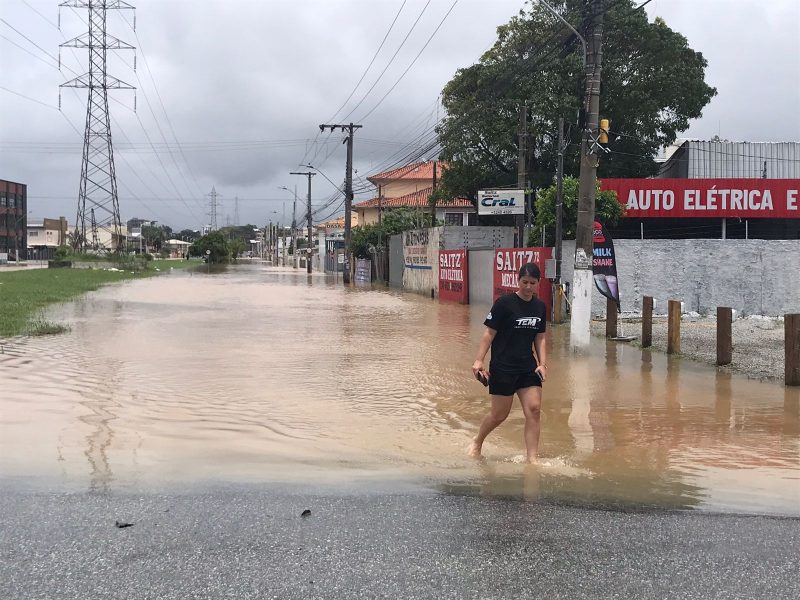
522 175
98 185
580 325
559 217
348 193
236 211
309 249
433 203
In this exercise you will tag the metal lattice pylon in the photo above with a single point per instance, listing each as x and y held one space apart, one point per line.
98 188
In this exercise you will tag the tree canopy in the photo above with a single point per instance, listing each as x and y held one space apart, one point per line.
607 210
652 86
393 221
216 243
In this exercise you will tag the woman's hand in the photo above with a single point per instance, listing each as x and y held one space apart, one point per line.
541 371
477 367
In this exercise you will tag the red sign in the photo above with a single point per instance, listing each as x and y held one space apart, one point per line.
453 276
747 198
507 263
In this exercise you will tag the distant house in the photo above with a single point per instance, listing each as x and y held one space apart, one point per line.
45 237
410 187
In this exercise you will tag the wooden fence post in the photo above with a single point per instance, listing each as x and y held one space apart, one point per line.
674 327
724 335
792 334
611 318
647 321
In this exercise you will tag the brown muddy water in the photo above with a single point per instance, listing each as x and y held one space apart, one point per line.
265 375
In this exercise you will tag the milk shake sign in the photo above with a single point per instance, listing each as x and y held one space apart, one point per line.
748 198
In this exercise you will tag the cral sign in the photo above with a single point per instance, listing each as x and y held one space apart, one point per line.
501 202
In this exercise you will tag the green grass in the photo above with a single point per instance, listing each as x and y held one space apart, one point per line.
164 265
24 294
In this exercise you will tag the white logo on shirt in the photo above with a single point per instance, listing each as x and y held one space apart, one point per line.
489 317
528 322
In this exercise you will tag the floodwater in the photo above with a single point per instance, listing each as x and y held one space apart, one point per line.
258 375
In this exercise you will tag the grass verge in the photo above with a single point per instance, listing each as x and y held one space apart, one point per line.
24 294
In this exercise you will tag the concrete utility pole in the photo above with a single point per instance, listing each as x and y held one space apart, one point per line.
559 215
309 248
348 194
522 171
580 333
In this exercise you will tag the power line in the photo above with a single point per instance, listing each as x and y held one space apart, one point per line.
399 79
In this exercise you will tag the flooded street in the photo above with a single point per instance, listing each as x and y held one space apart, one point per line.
265 375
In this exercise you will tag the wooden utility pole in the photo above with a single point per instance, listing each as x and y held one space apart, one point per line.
522 170
348 193
433 202
309 249
580 333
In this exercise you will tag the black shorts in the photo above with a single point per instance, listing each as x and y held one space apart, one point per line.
505 384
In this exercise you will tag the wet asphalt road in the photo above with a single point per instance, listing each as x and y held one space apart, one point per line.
253 543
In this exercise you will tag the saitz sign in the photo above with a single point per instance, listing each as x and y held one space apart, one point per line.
453 276
501 202
748 198
507 263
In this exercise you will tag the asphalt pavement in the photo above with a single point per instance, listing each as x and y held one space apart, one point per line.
254 542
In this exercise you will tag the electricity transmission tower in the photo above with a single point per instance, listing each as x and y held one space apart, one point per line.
98 188
213 205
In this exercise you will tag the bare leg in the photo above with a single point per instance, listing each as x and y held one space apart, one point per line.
531 400
501 406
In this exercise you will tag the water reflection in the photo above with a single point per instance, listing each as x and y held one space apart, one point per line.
258 374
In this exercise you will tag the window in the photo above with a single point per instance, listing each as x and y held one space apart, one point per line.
33 234
453 219
11 203
2 198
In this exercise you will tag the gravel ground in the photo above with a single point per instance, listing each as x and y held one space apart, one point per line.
758 342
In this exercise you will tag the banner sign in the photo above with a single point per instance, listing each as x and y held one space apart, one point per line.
501 202
507 263
604 264
453 276
415 249
718 198
363 270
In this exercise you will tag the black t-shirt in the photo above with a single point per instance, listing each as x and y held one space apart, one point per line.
517 322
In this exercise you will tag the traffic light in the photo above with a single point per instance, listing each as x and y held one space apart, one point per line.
604 127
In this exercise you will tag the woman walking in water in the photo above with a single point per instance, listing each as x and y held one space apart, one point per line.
515 330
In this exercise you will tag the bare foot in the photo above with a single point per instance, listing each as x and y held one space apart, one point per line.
533 460
474 450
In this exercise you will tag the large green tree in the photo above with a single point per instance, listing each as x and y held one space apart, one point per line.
652 86
607 210
215 242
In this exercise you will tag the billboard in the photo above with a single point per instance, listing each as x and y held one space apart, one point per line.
507 263
453 276
716 198
501 202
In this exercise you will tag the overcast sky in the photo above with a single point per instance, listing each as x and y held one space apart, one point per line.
243 84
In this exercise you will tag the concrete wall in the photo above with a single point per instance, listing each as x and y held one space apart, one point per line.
477 238
481 273
751 276
421 260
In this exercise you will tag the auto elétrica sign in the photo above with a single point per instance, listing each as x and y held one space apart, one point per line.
501 202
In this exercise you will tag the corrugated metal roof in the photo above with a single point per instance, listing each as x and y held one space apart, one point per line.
697 159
